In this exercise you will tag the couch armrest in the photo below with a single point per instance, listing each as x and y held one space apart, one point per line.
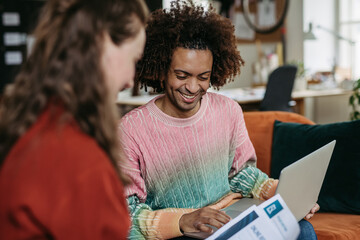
260 127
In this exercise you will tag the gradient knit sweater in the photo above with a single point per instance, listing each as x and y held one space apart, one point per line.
178 165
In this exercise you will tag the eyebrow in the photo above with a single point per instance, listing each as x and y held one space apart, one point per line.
178 70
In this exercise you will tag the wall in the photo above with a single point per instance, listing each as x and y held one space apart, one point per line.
248 53
294 41
331 109
320 55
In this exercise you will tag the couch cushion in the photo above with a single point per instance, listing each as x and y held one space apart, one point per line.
260 128
341 188
335 226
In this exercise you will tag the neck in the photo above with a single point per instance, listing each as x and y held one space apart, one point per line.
165 105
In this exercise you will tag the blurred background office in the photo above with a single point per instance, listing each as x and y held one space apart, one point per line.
320 37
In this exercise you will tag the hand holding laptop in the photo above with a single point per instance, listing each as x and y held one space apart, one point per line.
312 211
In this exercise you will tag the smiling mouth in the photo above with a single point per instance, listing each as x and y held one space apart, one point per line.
188 98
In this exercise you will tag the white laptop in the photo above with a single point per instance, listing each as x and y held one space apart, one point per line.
299 186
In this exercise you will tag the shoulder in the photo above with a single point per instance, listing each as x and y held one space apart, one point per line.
136 115
219 98
72 142
79 151
139 118
60 153
222 102
65 156
58 141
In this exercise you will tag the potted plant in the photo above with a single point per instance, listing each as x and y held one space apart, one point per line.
354 101
300 80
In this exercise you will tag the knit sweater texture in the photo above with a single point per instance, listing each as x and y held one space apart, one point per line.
178 165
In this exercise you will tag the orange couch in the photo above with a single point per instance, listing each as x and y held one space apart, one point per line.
260 127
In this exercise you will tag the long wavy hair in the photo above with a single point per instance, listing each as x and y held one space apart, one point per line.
65 66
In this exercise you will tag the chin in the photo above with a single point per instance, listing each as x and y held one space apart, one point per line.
189 107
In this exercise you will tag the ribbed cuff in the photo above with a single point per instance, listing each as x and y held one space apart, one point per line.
269 189
169 224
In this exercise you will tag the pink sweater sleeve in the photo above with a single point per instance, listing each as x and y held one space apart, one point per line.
146 223
244 150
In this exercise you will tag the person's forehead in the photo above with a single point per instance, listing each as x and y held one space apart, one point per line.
190 57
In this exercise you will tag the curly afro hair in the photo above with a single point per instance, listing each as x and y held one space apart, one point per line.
188 26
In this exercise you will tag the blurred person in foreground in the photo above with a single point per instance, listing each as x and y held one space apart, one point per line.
189 153
58 146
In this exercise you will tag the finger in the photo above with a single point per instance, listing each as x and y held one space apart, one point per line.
222 217
203 228
215 223
315 208
217 214
215 219
309 215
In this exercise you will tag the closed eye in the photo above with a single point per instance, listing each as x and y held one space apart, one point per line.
204 78
181 77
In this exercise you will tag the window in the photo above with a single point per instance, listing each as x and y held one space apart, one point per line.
349 28
336 26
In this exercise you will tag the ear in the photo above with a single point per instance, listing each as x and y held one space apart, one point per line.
162 80
162 83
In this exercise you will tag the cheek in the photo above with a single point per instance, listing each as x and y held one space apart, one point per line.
119 68
113 71
110 66
126 72
205 85
173 83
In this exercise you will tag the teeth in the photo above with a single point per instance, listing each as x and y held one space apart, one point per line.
188 96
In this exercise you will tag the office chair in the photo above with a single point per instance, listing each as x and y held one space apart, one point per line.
278 89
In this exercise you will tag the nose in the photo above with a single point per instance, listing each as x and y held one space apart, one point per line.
130 83
192 85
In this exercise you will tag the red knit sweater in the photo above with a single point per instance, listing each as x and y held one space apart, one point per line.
57 183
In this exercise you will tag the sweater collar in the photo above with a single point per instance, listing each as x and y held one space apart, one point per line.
154 110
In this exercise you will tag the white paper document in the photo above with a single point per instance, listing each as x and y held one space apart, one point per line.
271 220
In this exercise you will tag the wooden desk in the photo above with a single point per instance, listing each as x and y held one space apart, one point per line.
248 98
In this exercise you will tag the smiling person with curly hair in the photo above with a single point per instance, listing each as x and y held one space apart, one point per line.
189 153
188 27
